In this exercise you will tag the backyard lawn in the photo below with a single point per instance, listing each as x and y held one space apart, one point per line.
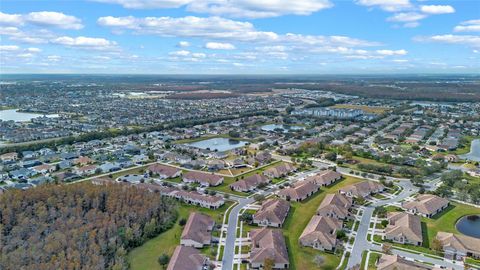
145 256
298 218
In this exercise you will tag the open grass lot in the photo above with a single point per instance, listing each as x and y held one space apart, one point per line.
446 220
367 109
298 218
145 256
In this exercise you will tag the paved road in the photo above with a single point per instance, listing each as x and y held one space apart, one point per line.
229 250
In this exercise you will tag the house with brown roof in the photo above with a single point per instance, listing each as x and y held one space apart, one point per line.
82 161
188 258
321 233
362 189
85 170
426 205
299 192
268 244
404 228
280 170
197 232
44 168
204 179
163 171
195 198
458 246
249 183
395 262
272 213
325 178
335 205
12 156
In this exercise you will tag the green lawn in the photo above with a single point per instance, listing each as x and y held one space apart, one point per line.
372 260
298 218
145 256
466 148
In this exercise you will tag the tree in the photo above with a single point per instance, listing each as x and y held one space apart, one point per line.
268 264
182 222
381 211
318 260
387 248
163 260
436 245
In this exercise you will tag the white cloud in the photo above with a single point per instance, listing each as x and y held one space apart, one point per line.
468 26
85 42
183 44
392 52
42 18
186 56
34 50
406 17
54 58
473 41
9 48
25 55
400 60
387 5
220 28
219 46
258 8
180 53
232 8
147 4
437 9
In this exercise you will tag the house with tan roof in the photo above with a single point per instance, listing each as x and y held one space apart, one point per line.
204 179
188 258
458 246
12 156
163 171
321 233
362 189
268 244
280 170
404 228
335 205
195 198
299 192
395 262
197 232
426 205
325 178
272 213
82 161
249 183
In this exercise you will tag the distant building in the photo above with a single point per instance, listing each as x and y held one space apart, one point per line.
330 113
249 183
204 179
299 192
325 178
426 205
362 189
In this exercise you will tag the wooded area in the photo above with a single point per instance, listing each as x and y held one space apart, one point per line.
81 226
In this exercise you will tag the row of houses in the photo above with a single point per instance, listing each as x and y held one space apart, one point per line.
306 188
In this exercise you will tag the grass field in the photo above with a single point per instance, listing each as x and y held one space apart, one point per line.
367 109
298 218
145 256
466 148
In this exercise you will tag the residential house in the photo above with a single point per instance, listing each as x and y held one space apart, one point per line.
44 168
404 228
395 262
321 233
197 232
299 192
195 198
280 170
163 171
12 156
85 170
335 205
325 178
268 244
82 161
188 258
458 246
204 179
249 183
426 205
362 189
272 213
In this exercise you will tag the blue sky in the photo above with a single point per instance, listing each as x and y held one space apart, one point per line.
240 36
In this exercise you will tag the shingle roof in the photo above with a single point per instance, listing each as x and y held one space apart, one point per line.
187 258
197 228
426 203
404 224
273 210
268 243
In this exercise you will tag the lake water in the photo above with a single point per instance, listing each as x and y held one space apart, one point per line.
474 153
219 144
469 225
8 115
286 128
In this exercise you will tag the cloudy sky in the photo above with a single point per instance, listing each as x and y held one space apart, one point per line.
240 36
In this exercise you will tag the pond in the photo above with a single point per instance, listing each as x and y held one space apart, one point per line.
469 225
474 153
218 144
8 115
286 128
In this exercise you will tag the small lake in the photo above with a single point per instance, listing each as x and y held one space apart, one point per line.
218 144
8 115
474 153
286 128
469 225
